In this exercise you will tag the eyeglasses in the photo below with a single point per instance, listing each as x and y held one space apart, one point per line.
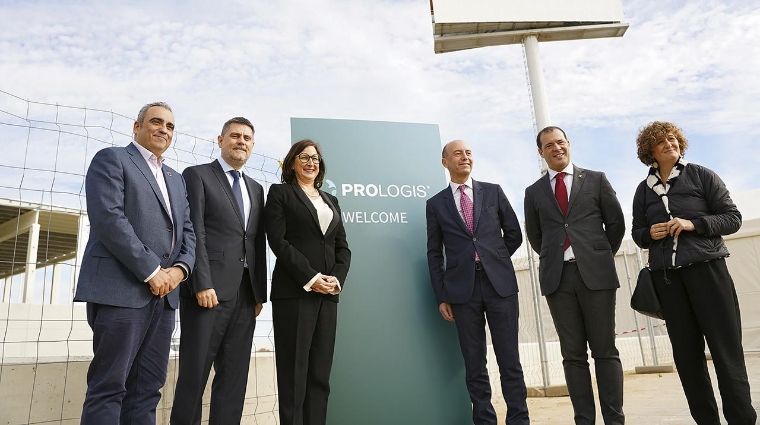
304 158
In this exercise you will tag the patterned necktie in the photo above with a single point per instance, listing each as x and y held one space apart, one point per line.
560 192
237 192
466 205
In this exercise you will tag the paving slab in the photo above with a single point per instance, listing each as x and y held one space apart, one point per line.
649 399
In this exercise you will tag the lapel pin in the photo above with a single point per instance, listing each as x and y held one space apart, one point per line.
580 176
169 173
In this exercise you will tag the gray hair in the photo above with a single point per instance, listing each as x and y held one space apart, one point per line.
144 110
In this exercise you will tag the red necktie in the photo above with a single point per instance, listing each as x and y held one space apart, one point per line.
560 192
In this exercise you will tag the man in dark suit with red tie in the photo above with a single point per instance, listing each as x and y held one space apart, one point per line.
220 303
472 232
573 220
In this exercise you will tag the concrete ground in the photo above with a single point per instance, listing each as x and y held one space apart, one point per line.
649 399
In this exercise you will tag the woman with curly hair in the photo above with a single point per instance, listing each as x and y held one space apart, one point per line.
680 213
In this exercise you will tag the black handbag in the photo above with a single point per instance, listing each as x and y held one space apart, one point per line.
644 298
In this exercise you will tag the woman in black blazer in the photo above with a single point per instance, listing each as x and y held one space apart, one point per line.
306 234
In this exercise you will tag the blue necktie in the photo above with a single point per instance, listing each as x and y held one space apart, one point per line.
237 192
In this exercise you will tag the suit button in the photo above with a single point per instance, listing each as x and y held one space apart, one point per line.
166 256
566 224
242 259
474 239
245 238
321 242
169 229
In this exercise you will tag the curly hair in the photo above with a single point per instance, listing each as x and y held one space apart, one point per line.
289 174
652 134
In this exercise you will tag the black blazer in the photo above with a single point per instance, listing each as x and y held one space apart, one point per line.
301 249
221 241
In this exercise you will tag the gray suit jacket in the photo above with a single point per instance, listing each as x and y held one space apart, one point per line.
222 243
594 223
130 230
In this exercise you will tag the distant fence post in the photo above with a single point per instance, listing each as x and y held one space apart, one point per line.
630 291
650 325
539 318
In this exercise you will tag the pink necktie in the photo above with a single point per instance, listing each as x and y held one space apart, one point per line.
560 192
466 205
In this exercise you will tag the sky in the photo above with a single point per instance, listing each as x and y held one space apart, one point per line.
690 62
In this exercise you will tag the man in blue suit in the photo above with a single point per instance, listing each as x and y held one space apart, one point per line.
141 247
472 233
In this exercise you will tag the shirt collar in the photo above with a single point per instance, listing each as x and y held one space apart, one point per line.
567 170
227 167
455 186
148 155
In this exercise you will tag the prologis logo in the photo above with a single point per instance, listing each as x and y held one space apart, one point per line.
329 186
384 191
376 190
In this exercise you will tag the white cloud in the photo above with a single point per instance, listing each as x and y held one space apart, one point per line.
690 62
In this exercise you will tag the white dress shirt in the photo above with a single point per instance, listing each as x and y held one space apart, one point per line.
458 194
243 188
569 254
325 216
155 164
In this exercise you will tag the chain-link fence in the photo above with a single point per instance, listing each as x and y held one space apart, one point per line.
46 342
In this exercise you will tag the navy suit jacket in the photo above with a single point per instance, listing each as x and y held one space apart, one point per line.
594 223
496 237
222 243
131 232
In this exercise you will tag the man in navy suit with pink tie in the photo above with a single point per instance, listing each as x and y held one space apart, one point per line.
472 233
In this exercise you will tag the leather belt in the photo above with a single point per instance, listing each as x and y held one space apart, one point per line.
478 265
572 260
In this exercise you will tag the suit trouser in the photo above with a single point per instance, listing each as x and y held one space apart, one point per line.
502 315
221 336
128 368
304 342
586 319
700 303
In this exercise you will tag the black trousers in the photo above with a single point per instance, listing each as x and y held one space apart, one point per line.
304 342
221 336
700 303
586 319
502 315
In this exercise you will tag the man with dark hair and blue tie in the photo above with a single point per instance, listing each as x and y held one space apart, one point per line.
141 246
221 300
472 232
